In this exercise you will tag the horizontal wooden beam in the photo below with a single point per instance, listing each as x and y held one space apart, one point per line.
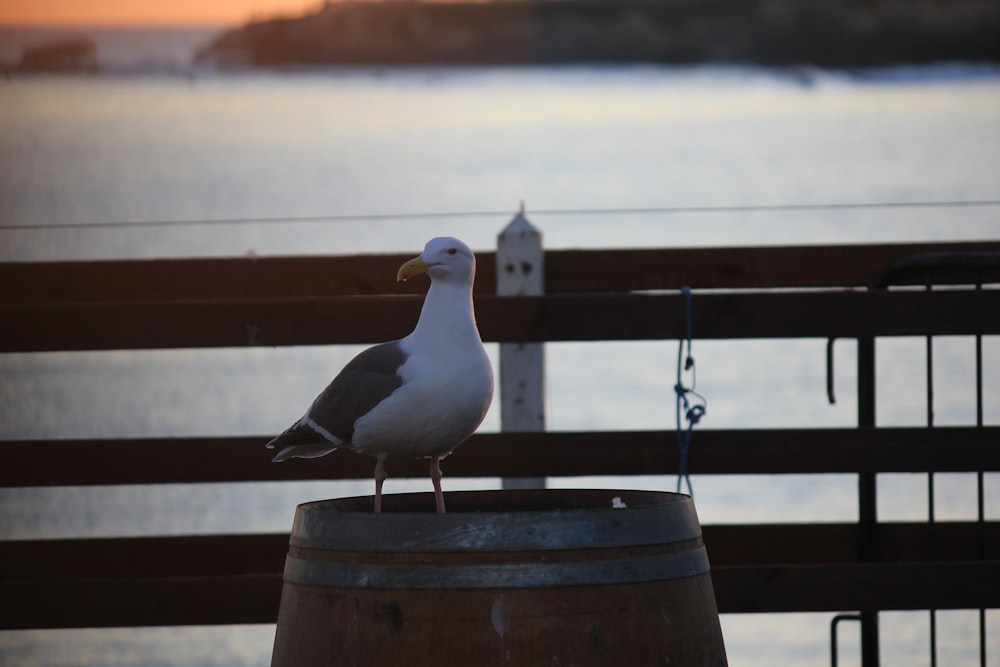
827 266
237 579
567 271
543 454
99 603
155 557
223 600
176 557
38 327
860 587
212 279
828 543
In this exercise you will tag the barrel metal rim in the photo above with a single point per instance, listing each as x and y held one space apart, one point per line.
507 520
630 570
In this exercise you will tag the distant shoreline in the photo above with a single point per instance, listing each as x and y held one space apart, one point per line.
825 34
119 48
821 33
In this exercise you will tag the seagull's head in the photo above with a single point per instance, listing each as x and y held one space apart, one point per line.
443 258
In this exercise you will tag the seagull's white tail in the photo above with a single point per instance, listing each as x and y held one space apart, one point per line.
300 441
303 451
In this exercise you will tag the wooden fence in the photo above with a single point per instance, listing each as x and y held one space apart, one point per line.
741 293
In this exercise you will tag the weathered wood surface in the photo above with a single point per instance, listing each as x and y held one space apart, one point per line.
240 599
759 451
41 327
520 271
566 271
728 545
237 578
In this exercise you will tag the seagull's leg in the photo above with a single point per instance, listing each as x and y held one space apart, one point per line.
379 478
436 481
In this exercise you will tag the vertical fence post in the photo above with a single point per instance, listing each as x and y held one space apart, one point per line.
867 497
520 266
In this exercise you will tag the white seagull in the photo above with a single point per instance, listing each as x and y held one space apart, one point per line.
417 397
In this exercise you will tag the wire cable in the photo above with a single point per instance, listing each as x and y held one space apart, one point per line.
368 217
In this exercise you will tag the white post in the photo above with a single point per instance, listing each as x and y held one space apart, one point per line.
520 266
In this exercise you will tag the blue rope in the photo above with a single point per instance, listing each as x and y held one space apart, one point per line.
692 413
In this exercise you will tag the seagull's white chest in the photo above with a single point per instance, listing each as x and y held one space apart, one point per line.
445 393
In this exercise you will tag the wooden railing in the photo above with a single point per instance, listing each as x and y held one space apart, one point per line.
741 293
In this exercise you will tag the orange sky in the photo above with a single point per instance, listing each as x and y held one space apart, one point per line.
145 12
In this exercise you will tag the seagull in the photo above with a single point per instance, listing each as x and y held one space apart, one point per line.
417 397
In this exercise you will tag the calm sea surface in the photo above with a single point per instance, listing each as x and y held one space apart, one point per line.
379 160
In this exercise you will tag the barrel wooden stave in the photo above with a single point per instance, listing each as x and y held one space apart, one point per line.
658 623
378 620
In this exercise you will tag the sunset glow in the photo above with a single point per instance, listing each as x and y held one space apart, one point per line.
131 13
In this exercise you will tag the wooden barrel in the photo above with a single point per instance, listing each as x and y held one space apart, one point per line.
517 577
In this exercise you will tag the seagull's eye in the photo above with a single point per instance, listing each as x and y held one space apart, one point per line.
452 251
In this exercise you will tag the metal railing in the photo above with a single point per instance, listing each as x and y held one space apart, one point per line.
923 268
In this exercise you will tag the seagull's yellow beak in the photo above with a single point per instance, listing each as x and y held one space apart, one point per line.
412 267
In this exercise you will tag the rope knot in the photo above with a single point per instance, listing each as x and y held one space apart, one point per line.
695 414
692 413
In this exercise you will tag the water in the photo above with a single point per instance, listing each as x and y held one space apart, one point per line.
212 151
357 142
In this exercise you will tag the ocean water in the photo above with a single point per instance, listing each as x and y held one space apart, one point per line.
186 162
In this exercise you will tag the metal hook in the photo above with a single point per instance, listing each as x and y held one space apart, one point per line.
829 371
